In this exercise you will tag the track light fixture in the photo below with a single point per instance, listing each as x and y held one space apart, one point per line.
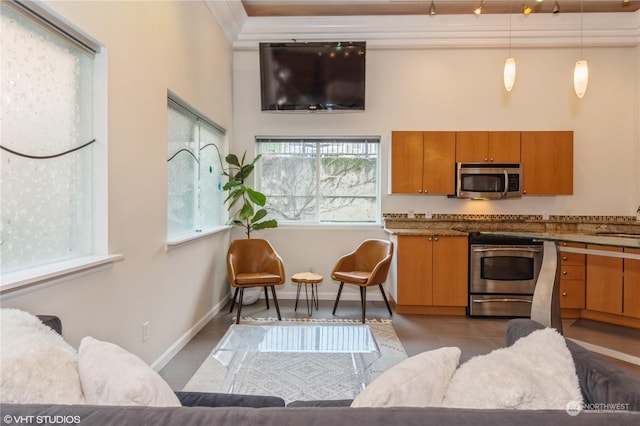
432 9
478 10
525 8
556 8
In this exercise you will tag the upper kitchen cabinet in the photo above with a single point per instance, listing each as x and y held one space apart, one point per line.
488 147
547 162
423 162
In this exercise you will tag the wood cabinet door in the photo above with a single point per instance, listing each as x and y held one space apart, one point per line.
406 162
547 162
504 147
604 281
472 147
414 275
631 299
450 271
439 163
572 294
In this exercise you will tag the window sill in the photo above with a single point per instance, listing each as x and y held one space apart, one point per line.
186 238
330 226
21 282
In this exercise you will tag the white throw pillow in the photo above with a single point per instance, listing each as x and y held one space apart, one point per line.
536 372
112 376
36 364
419 381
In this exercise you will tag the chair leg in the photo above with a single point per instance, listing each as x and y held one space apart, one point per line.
233 301
363 300
275 301
384 296
239 305
266 296
337 298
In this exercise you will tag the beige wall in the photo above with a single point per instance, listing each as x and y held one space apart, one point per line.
152 47
461 89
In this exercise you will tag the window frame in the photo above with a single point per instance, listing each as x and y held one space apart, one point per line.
182 238
374 139
28 279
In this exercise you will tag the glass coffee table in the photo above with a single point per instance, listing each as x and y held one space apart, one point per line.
245 341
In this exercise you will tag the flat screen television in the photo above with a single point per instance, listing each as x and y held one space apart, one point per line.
314 76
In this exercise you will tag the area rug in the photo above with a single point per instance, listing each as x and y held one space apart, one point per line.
303 377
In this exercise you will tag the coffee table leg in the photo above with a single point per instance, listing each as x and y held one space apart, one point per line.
234 368
360 370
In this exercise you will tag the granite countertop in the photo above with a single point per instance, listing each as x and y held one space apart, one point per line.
586 229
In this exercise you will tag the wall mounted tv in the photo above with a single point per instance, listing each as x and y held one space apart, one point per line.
312 76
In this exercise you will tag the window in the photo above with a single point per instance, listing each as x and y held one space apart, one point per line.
48 158
320 179
196 199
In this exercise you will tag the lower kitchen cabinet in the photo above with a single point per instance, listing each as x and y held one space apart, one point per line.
431 274
604 281
613 288
572 281
631 286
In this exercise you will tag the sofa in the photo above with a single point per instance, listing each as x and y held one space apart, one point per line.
610 396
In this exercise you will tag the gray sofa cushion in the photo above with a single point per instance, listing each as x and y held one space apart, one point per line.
601 382
206 399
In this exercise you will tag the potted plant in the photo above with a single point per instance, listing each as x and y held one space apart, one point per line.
245 204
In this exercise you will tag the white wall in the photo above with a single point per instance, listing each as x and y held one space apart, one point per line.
152 47
461 89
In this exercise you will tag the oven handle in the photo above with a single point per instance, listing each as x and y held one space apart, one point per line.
500 300
506 183
527 250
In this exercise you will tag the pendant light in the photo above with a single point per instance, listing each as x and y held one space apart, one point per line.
509 74
581 71
432 9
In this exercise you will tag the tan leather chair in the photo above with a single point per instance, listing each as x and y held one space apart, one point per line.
367 265
254 263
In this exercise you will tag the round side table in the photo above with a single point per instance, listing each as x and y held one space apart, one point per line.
307 278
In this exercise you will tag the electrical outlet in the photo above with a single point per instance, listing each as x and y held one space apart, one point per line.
146 331
411 214
545 216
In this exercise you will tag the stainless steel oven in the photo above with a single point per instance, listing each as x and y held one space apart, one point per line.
502 275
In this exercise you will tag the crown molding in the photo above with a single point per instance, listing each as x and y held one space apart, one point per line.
433 32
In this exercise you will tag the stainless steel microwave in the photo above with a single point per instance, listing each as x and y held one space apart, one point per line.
488 180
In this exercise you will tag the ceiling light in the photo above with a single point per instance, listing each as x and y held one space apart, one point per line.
556 8
432 9
581 71
509 74
478 10
525 8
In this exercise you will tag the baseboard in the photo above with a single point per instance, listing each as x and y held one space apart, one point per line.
164 359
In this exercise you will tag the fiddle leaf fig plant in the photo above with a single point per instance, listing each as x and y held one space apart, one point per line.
246 205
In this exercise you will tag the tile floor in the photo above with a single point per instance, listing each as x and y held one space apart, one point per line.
474 336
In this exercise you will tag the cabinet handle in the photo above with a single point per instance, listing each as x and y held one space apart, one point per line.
430 239
486 160
564 272
524 191
426 190
564 293
564 257
435 239
491 160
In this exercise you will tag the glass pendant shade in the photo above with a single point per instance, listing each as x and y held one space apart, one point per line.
509 73
581 78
